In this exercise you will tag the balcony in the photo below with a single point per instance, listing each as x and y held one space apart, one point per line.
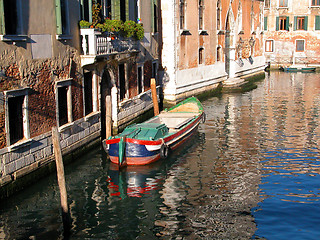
96 44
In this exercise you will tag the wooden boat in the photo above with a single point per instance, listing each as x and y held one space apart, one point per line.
147 142
299 68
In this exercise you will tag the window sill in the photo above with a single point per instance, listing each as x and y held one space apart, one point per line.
284 8
65 126
63 37
13 38
21 143
315 6
91 115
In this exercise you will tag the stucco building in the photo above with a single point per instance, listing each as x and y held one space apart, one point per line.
292 31
208 42
52 73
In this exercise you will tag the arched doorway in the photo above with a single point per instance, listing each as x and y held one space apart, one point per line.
105 90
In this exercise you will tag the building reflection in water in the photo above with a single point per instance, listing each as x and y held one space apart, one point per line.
255 146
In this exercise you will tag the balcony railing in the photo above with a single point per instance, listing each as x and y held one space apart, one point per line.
96 43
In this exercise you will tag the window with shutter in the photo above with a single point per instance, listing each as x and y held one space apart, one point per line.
317 23
283 23
86 10
265 23
62 20
9 17
300 23
155 16
2 25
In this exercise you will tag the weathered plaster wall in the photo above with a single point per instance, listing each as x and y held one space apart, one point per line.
182 71
285 41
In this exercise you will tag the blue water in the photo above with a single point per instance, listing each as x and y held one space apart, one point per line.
252 171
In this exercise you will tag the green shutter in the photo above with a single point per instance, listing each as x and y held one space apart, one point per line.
58 17
90 10
265 23
317 24
81 3
115 9
2 26
287 23
306 23
295 23
277 23
153 3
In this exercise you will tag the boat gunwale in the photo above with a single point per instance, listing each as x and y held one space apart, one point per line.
166 139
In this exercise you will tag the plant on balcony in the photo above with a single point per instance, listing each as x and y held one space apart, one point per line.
127 29
112 26
85 24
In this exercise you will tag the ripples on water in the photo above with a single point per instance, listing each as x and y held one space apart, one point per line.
251 171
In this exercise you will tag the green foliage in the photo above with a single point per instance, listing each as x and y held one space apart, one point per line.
96 9
139 31
125 29
128 28
84 24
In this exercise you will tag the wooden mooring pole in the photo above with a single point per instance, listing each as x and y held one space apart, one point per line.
154 96
108 117
61 181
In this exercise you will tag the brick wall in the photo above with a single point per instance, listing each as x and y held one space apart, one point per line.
40 77
42 105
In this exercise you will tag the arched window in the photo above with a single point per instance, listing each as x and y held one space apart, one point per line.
219 53
201 55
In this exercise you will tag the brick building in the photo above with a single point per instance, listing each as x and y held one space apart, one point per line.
292 31
54 74
208 42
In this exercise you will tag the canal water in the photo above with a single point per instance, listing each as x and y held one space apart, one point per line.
252 171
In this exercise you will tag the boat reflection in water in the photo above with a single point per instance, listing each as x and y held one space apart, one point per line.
138 180
133 181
